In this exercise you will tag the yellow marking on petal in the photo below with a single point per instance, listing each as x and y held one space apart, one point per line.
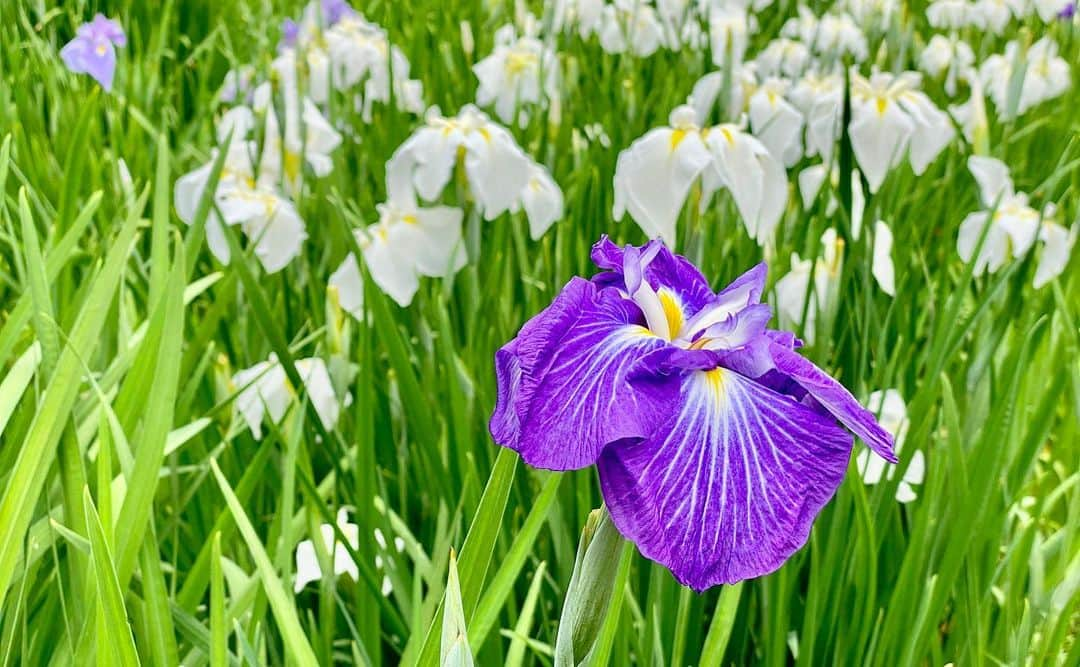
882 104
637 330
672 312
485 134
676 138
714 379
727 135
516 63
292 165
409 219
101 49
772 97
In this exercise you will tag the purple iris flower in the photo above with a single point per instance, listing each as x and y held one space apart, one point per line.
290 32
1068 11
92 51
716 442
335 10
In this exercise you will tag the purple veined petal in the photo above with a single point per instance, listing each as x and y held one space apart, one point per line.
729 484
665 271
738 329
747 287
835 398
562 388
744 291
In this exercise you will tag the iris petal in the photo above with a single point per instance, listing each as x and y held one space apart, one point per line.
728 485
835 398
562 388
665 270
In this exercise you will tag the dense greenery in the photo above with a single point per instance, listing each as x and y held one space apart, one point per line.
134 498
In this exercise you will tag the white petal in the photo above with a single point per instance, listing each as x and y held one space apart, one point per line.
1055 254
880 132
390 267
653 178
916 470
320 390
307 565
871 466
993 178
883 269
904 493
279 237
542 201
810 182
439 249
498 170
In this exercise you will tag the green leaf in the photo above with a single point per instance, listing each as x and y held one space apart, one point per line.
36 452
281 603
118 638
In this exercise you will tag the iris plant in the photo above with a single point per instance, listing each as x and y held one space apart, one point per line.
716 442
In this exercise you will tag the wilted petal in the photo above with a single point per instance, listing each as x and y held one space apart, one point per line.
728 485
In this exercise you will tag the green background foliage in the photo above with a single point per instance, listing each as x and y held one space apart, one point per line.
139 523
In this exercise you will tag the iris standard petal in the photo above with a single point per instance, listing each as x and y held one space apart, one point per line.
729 484
835 398
665 271
562 388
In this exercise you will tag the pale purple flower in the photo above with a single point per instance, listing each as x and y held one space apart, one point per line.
716 442
1067 12
335 10
93 50
290 32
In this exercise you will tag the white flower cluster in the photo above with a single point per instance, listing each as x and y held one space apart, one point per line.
345 52
410 240
521 72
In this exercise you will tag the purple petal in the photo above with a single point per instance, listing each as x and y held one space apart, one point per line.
749 285
562 389
664 270
834 398
103 28
739 329
290 32
98 59
335 10
729 484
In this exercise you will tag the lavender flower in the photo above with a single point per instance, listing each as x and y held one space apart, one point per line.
290 32
335 10
716 442
92 51
1067 12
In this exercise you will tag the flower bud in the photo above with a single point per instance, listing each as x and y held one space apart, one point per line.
589 593
454 650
